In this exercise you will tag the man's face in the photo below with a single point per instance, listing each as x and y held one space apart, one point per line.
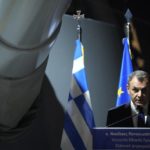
138 91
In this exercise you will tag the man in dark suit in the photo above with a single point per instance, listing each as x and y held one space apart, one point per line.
137 112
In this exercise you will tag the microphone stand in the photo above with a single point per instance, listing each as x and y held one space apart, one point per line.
124 119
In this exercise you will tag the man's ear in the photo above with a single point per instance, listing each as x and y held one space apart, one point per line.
127 88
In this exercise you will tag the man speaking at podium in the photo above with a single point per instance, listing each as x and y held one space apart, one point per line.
136 113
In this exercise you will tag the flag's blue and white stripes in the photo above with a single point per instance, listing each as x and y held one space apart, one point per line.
79 118
126 68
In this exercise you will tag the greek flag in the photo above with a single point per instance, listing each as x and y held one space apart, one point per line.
79 120
126 68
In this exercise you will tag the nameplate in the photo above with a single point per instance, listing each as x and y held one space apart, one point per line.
121 138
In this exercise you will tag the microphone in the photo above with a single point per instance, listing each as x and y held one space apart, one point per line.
124 119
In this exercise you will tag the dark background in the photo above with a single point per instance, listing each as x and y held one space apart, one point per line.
112 11
96 9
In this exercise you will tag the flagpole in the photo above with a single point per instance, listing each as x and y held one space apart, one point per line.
79 117
126 66
128 16
78 17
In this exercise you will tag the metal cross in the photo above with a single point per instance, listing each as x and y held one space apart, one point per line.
78 17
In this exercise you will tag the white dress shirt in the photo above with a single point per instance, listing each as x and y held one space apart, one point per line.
135 114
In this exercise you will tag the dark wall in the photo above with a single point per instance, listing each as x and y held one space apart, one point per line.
103 52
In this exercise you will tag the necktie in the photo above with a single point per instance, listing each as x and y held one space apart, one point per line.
141 118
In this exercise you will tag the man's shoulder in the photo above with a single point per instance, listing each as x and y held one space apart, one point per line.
119 116
120 108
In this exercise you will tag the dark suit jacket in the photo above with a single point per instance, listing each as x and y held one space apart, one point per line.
122 117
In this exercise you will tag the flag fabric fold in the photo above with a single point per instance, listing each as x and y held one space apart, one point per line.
79 118
126 68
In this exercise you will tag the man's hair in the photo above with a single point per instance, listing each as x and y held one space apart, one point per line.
140 74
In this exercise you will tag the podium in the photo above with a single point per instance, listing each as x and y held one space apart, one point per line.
121 138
